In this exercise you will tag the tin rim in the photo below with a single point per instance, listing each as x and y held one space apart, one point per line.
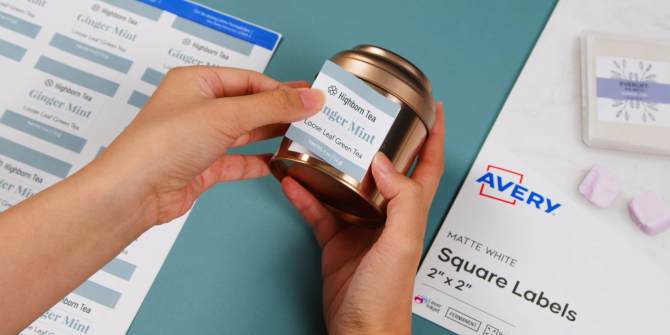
279 166
392 74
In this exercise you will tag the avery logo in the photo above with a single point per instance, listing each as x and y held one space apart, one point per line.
505 186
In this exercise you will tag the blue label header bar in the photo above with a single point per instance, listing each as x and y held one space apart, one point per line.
218 21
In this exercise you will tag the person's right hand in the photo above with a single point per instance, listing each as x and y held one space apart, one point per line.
173 151
176 148
368 274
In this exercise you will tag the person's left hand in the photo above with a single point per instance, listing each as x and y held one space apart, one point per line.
176 147
368 273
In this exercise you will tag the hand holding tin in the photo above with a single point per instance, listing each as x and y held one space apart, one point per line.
194 117
376 101
368 273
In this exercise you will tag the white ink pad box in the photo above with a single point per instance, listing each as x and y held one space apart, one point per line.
626 94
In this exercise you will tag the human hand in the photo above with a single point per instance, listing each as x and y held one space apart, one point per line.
175 149
368 274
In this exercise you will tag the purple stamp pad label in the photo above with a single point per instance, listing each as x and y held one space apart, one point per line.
633 91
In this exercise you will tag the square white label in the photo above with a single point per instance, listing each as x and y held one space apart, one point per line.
351 126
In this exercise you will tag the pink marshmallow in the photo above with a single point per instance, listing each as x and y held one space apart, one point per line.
600 187
650 212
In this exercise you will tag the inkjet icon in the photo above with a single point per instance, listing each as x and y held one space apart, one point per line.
506 186
431 304
420 299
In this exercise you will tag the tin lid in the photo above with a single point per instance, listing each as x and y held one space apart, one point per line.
391 73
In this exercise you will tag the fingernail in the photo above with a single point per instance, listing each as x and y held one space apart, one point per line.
312 99
288 187
383 164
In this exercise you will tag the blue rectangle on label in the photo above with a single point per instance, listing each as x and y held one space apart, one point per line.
120 268
101 294
218 21
213 36
136 7
79 77
43 131
633 90
91 53
152 76
138 99
11 50
19 25
34 158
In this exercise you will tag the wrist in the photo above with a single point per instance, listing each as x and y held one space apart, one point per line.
120 194
359 326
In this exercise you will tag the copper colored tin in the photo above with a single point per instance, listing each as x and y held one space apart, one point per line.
398 80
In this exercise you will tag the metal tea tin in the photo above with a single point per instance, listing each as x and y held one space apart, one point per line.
398 80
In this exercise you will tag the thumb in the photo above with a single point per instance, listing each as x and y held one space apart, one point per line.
406 213
235 116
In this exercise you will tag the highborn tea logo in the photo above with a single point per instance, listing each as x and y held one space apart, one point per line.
332 90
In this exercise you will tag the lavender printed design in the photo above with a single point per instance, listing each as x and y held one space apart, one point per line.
636 75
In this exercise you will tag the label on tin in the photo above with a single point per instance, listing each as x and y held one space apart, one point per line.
351 126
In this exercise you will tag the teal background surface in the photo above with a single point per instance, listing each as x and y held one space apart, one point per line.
245 263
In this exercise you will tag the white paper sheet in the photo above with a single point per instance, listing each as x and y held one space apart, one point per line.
73 75
576 269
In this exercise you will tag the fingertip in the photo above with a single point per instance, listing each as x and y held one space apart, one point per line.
431 163
382 172
434 145
382 164
289 186
296 193
312 99
287 182
439 116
